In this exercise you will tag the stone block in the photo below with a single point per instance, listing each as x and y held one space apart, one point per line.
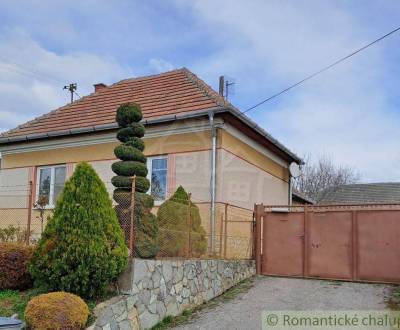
148 320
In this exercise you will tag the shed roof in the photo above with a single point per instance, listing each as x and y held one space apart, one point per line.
367 193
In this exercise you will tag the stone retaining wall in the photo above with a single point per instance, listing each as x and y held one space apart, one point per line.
154 289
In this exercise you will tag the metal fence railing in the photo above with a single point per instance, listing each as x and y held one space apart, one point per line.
184 226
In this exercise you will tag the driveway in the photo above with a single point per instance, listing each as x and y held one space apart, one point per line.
274 293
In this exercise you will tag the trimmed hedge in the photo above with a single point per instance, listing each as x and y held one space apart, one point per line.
123 198
133 163
56 311
129 168
125 152
135 129
82 249
142 184
14 261
135 142
146 228
128 113
172 218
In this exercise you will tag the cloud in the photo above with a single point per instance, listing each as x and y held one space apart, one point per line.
32 77
159 65
345 112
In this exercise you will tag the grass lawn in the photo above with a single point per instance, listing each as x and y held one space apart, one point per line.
14 302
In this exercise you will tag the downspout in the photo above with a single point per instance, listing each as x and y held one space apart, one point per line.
290 197
213 186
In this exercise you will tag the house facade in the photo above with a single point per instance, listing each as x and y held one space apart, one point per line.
194 138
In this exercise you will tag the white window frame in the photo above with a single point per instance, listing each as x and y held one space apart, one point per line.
149 172
52 168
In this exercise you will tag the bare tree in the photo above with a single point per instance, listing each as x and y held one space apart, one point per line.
323 174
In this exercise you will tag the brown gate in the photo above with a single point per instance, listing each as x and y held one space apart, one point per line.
347 242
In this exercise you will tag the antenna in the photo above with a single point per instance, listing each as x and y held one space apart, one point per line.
226 86
72 88
229 84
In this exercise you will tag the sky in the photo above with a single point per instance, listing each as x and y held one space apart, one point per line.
350 113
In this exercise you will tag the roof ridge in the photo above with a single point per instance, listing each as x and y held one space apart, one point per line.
205 88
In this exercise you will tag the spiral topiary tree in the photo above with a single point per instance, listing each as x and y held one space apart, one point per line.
82 249
133 163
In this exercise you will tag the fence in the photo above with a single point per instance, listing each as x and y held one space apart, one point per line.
184 229
346 242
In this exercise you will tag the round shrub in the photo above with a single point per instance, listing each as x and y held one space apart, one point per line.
135 142
128 113
125 152
56 311
129 168
82 249
14 261
126 133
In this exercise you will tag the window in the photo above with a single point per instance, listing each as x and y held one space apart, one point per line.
157 175
50 182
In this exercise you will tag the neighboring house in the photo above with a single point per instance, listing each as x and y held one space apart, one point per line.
194 138
368 193
299 198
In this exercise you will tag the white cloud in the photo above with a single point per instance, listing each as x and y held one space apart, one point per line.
267 45
32 77
160 65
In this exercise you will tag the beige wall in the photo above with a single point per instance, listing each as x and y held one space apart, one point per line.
105 151
243 184
245 175
14 188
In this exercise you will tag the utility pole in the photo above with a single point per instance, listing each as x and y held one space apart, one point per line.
72 88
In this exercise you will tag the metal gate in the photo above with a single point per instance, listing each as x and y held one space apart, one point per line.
346 242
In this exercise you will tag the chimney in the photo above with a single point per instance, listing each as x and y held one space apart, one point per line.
221 85
99 86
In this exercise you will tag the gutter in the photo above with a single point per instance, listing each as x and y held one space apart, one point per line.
99 128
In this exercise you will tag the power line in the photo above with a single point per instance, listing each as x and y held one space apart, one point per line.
18 68
322 70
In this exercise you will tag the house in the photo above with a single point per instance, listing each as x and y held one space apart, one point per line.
194 138
299 198
366 193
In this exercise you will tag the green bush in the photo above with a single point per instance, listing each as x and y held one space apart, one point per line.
14 260
173 221
142 184
128 113
135 129
82 248
125 152
129 168
135 142
133 163
56 311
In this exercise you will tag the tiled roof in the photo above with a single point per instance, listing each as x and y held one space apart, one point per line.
169 93
372 193
166 96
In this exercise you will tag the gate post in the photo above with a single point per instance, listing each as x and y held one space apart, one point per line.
258 213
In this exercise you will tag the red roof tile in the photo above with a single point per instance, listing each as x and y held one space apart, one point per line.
166 94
